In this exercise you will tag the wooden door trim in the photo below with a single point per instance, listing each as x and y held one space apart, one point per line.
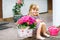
1 9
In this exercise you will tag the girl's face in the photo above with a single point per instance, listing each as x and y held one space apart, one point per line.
34 11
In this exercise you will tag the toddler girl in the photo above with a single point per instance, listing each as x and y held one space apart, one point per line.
41 26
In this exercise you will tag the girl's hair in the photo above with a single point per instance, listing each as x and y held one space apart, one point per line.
33 6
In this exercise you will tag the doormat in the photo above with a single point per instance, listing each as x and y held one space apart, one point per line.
2 25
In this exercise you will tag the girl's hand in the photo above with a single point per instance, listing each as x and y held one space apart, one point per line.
38 20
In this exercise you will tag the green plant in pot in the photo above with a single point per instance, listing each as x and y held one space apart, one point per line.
17 10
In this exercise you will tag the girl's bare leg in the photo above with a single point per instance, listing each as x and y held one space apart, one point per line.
39 32
44 31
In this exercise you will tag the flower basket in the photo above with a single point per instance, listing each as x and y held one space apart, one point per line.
25 27
24 32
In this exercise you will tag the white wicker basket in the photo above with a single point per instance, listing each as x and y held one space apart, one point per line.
24 33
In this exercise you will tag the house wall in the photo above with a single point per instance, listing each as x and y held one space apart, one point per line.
56 13
7 6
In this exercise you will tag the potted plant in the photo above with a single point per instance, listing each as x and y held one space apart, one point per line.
17 10
25 27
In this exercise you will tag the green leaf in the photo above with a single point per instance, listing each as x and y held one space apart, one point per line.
22 26
32 26
17 8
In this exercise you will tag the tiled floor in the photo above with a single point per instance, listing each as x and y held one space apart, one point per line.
11 33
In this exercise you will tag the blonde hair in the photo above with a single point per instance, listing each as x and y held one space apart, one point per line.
35 6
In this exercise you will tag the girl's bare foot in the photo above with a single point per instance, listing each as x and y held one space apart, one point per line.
40 37
47 35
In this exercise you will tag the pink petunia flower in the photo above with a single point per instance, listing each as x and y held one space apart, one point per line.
20 21
19 2
26 19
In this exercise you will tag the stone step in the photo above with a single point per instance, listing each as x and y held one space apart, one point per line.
8 19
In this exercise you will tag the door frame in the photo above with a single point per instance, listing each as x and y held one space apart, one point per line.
49 6
1 15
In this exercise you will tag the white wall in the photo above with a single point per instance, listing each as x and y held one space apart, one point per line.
56 12
8 5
